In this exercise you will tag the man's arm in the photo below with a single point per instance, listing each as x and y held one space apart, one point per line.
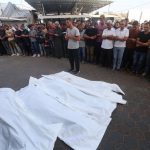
139 43
75 38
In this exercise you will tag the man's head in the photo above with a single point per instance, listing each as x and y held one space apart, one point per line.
57 24
6 27
69 23
32 27
22 27
39 28
102 18
81 26
122 24
109 24
75 24
146 27
135 25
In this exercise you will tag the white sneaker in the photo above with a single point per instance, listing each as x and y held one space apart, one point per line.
34 55
12 54
38 55
77 72
144 74
18 54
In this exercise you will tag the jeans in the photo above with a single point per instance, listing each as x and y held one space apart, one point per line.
117 57
147 67
74 58
20 44
138 59
82 53
35 47
42 49
13 47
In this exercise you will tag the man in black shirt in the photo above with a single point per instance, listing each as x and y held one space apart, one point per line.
26 40
90 40
143 41
19 39
4 40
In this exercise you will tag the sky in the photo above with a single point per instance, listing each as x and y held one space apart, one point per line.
135 7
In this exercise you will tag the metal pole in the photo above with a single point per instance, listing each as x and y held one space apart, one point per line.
43 10
140 16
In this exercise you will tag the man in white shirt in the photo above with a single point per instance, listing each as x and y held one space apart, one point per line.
122 35
73 37
107 44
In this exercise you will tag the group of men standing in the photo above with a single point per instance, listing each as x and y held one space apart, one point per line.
122 46
111 45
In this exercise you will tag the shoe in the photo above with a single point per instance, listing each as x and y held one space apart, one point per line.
38 55
18 54
144 74
76 72
34 55
70 70
12 54
118 69
137 74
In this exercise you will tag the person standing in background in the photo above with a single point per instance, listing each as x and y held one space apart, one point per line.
4 40
41 40
11 41
26 40
143 41
107 45
19 39
82 42
90 41
58 36
131 45
100 28
34 43
121 36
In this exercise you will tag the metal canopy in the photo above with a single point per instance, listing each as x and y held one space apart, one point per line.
67 6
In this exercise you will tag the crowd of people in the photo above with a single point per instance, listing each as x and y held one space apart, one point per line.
110 44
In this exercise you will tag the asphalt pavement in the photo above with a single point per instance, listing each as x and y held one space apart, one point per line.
130 125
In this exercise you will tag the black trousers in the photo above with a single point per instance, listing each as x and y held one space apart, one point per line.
97 52
128 58
106 57
74 58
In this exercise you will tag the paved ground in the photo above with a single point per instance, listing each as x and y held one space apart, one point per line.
130 126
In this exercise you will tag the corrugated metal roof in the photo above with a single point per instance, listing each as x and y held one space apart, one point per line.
2 7
65 6
12 11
